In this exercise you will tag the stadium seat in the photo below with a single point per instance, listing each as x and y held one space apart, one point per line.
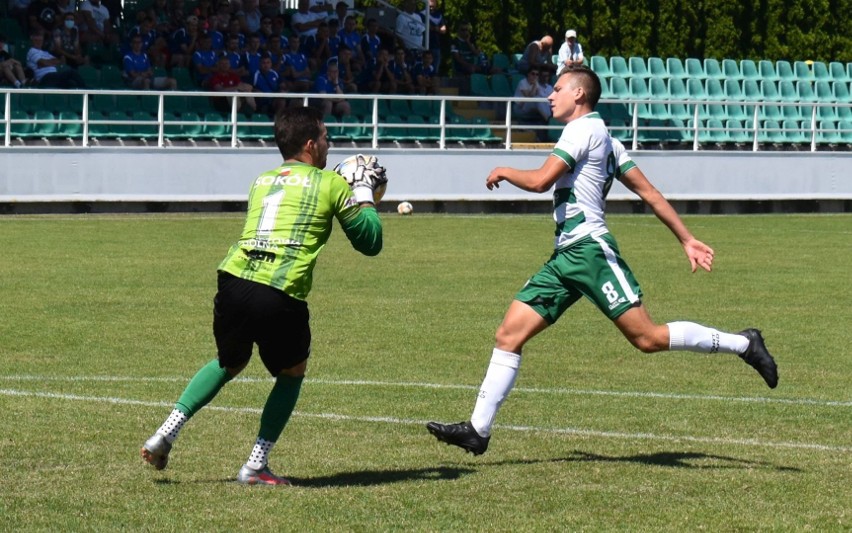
399 108
708 111
793 133
733 90
389 132
737 132
45 124
845 129
216 126
618 86
769 90
826 112
731 70
751 90
143 130
805 91
606 92
111 78
69 125
681 111
173 103
126 102
356 130
787 91
770 112
791 111
802 71
184 79
22 126
91 76
713 132
419 130
784 70
820 71
657 68
713 69
119 128
678 133
639 89
695 89
657 110
28 102
657 88
620 129
335 133
840 89
479 85
500 86
828 133
694 69
838 72
101 103
57 102
501 61
713 87
618 67
767 70
748 70
461 132
677 89
738 111
638 67
771 132
600 65
482 131
674 66
652 131
425 108
822 91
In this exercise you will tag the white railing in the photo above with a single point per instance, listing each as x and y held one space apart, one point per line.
637 126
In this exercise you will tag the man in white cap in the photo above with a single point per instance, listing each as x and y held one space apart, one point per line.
571 52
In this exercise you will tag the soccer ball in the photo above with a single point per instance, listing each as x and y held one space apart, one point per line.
405 208
348 166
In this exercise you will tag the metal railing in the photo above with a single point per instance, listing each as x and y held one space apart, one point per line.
635 124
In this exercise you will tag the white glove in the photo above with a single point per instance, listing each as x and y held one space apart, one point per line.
367 177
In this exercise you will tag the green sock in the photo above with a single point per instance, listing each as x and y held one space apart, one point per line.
203 387
279 406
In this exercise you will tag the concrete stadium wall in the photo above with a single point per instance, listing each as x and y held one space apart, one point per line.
187 176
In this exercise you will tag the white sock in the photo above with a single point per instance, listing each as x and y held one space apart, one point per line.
697 338
260 454
172 425
499 380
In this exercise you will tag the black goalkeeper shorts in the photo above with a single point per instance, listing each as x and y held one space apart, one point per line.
247 313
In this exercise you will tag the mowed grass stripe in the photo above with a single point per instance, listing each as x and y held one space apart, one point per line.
409 422
406 384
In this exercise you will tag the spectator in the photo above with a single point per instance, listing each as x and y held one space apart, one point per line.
322 8
539 55
266 80
425 74
530 112
185 42
235 31
571 52
138 72
341 11
66 43
279 24
316 48
297 73
467 57
330 84
161 12
347 73
146 30
204 61
334 37
223 79
351 37
96 25
304 21
401 72
378 77
42 15
11 69
179 14
371 42
410 30
43 64
250 59
437 30
266 32
251 16
275 51
225 17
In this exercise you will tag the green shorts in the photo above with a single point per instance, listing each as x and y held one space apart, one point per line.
591 267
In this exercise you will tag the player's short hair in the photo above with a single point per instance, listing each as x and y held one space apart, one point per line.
294 127
587 79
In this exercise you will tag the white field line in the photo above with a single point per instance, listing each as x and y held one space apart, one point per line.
411 422
531 390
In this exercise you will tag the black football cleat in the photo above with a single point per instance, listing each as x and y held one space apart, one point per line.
462 435
758 357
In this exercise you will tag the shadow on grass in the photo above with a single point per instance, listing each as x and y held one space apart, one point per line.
667 459
367 478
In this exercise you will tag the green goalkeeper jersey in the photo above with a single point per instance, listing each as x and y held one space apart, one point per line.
289 220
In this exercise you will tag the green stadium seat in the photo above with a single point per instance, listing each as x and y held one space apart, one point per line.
111 78
613 111
826 112
425 108
384 107
793 133
119 131
399 108
713 132
69 125
737 132
806 91
739 111
678 133
771 132
356 129
787 91
419 130
90 75
802 71
841 92
681 111
184 79
731 70
335 133
748 69
618 67
143 130
677 89
714 89
708 111
767 70
639 88
172 130
791 112
769 90
770 112
828 133
751 91
173 103
481 131
606 92
820 71
500 86
657 68
389 133
58 102
45 124
784 70
695 89
619 129
460 134
22 126
694 69
713 69
822 92
733 90
652 131
600 66
501 61
28 102
216 127
657 110
657 88
618 86
193 127
127 103
555 132
102 103
638 67
479 85
361 107
838 72
674 66
845 129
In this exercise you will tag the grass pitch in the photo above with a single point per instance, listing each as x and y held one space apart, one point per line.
103 320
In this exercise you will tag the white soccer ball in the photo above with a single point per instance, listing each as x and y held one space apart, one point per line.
348 166
405 208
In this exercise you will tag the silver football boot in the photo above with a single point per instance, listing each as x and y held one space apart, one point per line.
264 476
156 451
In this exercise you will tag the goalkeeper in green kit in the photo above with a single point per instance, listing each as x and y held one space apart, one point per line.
266 277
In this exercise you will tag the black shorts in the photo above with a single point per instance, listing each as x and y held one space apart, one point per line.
247 313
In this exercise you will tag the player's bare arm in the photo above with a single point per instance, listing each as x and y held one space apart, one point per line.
698 253
538 180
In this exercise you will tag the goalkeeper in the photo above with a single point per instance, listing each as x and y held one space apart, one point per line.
266 276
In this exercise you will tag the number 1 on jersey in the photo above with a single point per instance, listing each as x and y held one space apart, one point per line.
271 203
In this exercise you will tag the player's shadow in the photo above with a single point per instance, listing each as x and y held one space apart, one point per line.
694 460
366 478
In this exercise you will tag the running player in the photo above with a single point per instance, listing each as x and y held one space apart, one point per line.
586 260
266 277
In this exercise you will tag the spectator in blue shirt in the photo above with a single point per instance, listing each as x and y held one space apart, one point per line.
330 84
371 42
351 37
251 57
296 69
425 74
138 72
266 80
401 72
203 61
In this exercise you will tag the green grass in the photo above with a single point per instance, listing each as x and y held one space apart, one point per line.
103 319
